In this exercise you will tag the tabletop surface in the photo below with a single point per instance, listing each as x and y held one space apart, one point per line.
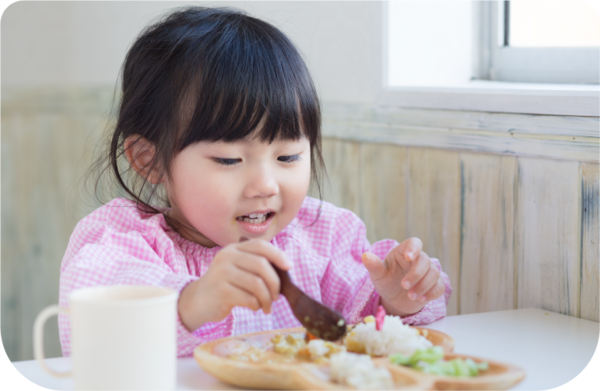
550 347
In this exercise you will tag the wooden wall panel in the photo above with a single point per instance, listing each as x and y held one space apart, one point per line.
399 191
44 156
41 229
383 191
343 169
545 136
547 235
8 252
590 254
433 209
487 250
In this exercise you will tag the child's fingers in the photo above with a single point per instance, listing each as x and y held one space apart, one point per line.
375 266
436 291
267 250
410 248
237 297
413 248
260 267
253 285
424 284
419 268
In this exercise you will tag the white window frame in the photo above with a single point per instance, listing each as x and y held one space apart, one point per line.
488 95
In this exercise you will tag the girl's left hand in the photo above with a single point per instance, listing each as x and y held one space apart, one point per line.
406 280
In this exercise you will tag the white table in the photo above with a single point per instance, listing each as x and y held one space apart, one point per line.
552 348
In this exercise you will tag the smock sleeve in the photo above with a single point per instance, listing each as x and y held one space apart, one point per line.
346 285
101 254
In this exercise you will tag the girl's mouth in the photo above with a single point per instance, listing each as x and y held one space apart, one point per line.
255 218
256 222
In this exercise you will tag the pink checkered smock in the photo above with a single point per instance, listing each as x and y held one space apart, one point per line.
116 244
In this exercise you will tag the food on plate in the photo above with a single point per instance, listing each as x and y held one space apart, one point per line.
376 336
290 359
245 352
392 337
358 371
289 344
316 350
431 360
320 350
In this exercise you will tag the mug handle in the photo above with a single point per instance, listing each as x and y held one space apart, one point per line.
38 338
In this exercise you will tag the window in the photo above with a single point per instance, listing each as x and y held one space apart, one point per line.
446 43
474 56
549 41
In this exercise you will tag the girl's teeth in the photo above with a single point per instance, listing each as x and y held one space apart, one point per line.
254 218
255 221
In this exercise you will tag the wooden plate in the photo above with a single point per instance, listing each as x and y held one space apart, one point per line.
288 373
499 376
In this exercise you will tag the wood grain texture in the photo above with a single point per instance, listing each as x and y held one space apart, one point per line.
433 209
590 254
515 102
512 143
547 235
460 119
343 169
551 136
487 250
44 157
383 191
9 327
28 209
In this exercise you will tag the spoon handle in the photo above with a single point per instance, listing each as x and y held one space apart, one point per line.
291 292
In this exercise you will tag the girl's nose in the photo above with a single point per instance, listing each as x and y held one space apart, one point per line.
261 183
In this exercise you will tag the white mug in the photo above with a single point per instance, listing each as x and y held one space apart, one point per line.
122 337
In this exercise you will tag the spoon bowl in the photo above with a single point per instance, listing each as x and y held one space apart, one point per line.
319 320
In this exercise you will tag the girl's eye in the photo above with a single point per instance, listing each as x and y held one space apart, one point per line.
226 162
289 159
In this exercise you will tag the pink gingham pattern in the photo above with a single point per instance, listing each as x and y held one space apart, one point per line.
116 244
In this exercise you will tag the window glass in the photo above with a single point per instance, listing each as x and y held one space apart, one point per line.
553 23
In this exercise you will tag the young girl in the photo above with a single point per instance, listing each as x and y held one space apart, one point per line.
219 114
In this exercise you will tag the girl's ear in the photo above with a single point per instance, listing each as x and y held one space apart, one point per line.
141 154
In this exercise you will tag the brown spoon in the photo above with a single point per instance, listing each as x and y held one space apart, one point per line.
319 320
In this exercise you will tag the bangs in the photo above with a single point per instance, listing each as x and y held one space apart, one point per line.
211 74
248 79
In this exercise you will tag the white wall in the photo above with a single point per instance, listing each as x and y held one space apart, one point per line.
430 43
84 43
34 43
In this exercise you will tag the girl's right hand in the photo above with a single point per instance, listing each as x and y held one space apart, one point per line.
240 275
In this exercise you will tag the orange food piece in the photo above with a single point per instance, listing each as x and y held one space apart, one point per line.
309 337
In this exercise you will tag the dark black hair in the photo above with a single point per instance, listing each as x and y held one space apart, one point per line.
211 74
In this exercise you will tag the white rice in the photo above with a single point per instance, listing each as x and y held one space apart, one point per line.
358 371
394 337
317 349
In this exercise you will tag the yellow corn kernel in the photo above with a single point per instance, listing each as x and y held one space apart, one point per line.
369 319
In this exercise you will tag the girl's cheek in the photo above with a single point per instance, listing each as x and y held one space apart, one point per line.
299 184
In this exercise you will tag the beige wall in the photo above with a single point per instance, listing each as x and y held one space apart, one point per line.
84 43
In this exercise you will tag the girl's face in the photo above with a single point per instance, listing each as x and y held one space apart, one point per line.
246 188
